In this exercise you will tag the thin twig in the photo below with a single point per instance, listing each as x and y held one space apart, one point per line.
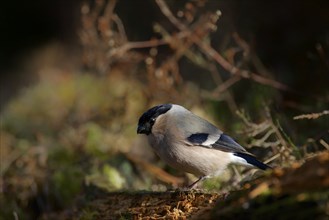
108 13
225 85
325 144
166 11
218 80
208 50
135 45
212 53
312 115
260 67
120 26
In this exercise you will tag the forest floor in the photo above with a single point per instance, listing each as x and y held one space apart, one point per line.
300 191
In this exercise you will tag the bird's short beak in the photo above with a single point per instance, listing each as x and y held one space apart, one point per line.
140 129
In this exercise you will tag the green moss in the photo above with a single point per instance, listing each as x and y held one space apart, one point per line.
87 214
108 178
65 184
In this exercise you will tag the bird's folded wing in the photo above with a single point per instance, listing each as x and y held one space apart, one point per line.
227 144
221 142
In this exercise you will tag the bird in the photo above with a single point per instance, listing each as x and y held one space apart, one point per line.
191 144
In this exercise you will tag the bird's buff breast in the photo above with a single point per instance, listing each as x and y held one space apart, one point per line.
197 160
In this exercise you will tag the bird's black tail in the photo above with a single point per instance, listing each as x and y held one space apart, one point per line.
253 161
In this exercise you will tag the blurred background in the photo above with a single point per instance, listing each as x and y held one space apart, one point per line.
77 75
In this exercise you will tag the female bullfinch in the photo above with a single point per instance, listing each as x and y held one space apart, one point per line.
191 144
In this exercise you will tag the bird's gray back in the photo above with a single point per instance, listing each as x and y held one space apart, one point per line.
190 123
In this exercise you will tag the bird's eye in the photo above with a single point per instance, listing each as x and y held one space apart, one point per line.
153 120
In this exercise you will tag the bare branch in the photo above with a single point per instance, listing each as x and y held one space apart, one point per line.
312 115
208 50
212 53
166 11
228 83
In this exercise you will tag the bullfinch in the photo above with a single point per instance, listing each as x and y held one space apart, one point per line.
191 144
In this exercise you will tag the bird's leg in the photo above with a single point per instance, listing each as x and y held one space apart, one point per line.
193 185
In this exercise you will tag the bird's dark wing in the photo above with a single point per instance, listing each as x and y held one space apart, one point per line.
253 161
221 142
227 144
198 138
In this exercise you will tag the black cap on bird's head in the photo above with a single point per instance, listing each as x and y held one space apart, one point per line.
147 120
